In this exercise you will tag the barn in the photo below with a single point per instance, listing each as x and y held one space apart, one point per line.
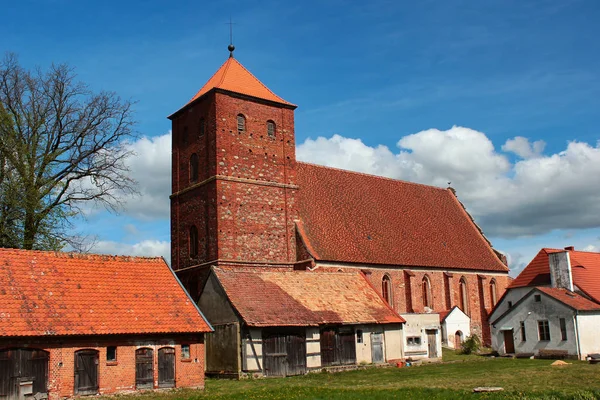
281 323
74 324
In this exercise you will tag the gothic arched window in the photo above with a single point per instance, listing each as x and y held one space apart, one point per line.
241 123
201 127
427 295
493 295
194 168
271 129
193 241
386 289
463 295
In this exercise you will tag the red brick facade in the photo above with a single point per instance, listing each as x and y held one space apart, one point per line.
114 376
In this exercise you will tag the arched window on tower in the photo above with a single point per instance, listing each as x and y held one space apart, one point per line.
193 241
184 136
194 168
493 293
427 295
241 123
201 127
386 289
271 129
463 295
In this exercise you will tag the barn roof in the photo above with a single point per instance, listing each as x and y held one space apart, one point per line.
358 218
301 298
46 293
585 267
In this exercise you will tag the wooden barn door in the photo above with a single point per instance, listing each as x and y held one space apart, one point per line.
327 347
144 368
86 372
284 353
377 347
338 346
509 342
432 343
23 372
166 367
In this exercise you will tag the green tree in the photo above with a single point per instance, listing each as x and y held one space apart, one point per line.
62 149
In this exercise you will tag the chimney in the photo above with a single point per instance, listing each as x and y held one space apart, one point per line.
570 248
560 270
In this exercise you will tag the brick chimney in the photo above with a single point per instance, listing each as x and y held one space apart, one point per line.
570 248
560 270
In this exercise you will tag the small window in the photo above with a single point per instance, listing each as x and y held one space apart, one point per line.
184 136
538 298
271 129
544 330
111 353
185 351
413 340
563 328
201 127
359 336
523 333
193 241
194 168
241 123
493 296
510 304
386 291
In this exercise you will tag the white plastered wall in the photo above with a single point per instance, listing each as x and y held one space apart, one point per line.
250 359
416 326
313 347
394 342
589 337
456 321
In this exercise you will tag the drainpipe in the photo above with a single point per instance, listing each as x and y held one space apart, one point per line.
577 335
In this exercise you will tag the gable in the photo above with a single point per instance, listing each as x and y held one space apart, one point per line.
357 218
215 304
50 293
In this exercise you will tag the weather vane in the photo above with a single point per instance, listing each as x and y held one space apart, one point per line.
231 47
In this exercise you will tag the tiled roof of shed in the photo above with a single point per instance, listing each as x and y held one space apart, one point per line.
585 267
358 218
234 77
48 293
300 298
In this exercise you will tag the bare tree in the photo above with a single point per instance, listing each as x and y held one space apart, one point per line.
62 149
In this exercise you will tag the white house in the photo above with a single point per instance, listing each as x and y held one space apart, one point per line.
456 326
552 308
422 335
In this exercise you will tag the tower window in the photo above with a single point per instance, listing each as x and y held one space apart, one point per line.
386 289
427 292
271 128
201 127
194 168
241 123
193 241
184 136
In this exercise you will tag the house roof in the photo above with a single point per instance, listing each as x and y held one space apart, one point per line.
50 293
234 77
301 298
585 268
358 218
571 299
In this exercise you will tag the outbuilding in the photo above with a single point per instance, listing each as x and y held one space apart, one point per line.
81 324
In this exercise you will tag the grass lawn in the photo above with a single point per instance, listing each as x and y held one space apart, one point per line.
521 379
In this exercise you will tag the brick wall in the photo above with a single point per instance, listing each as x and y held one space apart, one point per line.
407 289
117 376
243 203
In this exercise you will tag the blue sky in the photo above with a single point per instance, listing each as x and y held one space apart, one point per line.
376 74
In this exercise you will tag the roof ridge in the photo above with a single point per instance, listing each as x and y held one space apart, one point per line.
82 256
372 175
243 271
209 79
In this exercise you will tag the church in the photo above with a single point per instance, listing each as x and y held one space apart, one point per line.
266 240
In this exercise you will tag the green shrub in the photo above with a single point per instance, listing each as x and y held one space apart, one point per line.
472 344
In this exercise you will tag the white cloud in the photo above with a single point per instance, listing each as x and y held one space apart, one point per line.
521 147
145 248
593 248
536 194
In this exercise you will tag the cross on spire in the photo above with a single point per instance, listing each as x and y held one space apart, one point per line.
231 47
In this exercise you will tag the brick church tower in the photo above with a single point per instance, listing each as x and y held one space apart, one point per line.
233 177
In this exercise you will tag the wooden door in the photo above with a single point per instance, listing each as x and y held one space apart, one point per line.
377 347
346 342
86 372
144 368
19 366
509 342
284 353
296 354
458 340
328 347
166 367
274 355
432 343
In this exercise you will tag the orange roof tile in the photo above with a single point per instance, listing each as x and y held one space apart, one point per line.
234 77
358 218
571 299
47 293
585 267
300 298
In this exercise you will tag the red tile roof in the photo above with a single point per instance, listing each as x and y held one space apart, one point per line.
571 299
47 293
234 77
299 298
585 267
358 218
